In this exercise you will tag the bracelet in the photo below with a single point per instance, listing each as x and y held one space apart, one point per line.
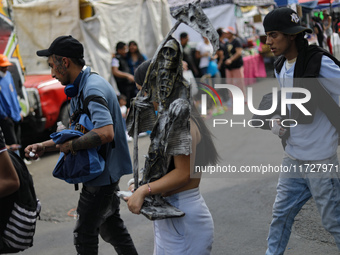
71 148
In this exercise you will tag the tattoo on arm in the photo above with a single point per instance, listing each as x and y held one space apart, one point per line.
51 148
87 141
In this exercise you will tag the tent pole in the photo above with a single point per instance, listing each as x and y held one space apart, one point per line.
330 8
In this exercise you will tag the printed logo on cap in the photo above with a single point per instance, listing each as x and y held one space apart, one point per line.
295 18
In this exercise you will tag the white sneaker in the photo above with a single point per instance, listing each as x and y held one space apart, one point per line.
128 138
142 134
27 162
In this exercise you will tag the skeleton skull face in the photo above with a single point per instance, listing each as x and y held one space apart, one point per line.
170 53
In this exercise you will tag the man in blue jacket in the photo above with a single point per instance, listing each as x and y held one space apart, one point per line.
10 110
98 206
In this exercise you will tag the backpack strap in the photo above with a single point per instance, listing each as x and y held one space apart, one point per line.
324 100
94 98
326 103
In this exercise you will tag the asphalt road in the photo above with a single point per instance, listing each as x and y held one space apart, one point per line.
240 203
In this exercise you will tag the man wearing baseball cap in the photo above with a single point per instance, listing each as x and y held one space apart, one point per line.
10 110
313 141
98 206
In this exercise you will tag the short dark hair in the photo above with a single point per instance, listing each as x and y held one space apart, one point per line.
219 31
76 61
120 45
121 96
183 35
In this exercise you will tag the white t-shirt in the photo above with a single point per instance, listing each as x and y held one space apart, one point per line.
204 48
115 62
123 109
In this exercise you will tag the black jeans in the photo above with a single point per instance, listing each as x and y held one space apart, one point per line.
11 130
98 213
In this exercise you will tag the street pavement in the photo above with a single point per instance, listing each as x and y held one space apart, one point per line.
240 203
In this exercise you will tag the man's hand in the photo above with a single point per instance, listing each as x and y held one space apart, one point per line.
34 151
130 78
275 126
66 147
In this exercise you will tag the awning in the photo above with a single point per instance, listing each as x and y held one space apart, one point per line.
173 4
305 3
254 2
317 1
310 5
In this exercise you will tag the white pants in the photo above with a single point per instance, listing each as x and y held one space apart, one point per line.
190 234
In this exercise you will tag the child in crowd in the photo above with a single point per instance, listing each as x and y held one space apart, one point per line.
124 110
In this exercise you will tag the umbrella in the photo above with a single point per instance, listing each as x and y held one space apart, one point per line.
316 2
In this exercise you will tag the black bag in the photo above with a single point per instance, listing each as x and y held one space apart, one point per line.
19 212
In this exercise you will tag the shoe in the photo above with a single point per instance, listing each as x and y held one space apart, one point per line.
27 162
128 138
143 134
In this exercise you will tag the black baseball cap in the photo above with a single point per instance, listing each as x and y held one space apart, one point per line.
65 46
284 20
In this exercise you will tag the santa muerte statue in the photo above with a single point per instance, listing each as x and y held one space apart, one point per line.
164 85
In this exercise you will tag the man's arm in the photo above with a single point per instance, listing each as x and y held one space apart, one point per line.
117 73
92 139
38 149
237 54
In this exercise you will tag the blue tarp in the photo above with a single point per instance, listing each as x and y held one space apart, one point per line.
281 3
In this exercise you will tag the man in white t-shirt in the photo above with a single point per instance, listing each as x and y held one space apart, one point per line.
204 52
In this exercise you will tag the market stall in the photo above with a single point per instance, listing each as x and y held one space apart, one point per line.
253 68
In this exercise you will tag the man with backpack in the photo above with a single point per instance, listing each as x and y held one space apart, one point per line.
98 206
311 145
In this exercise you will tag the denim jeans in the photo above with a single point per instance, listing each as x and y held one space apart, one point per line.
295 188
98 213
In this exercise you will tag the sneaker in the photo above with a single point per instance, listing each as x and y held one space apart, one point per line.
143 134
27 162
128 138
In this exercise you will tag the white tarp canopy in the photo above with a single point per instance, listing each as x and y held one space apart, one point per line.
254 2
38 23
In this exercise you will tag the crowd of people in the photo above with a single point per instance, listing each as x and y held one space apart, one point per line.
228 58
315 141
324 26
